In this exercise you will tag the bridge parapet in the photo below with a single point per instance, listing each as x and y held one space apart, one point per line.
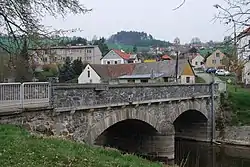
83 96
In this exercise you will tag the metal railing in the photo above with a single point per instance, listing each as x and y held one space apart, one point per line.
25 95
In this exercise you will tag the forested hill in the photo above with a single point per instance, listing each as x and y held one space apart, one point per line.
136 38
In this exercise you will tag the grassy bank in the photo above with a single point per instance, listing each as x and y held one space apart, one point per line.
20 149
240 103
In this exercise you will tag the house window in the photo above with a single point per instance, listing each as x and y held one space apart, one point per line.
217 54
119 62
108 62
88 74
220 61
187 79
196 63
165 79
88 51
144 81
249 44
115 62
131 81
213 61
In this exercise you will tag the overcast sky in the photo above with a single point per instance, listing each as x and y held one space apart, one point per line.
156 17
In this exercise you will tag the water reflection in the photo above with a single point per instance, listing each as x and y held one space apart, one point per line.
196 154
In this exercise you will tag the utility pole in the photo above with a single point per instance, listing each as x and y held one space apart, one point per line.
212 110
176 66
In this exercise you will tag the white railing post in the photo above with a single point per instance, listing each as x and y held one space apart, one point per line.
22 95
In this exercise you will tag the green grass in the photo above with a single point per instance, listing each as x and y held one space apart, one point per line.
20 149
199 80
240 101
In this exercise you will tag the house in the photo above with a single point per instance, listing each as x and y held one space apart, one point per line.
197 61
89 53
162 71
104 73
153 72
166 57
246 73
119 57
243 48
215 59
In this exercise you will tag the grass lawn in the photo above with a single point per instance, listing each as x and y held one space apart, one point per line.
199 80
20 149
240 101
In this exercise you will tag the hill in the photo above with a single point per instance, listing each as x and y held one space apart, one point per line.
139 39
20 149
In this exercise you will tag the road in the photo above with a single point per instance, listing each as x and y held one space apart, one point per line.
208 79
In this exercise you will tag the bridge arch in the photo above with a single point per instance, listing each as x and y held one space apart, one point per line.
119 116
191 121
188 106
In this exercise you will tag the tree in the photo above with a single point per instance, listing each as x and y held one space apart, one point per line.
21 17
77 66
235 14
102 45
134 49
66 72
22 69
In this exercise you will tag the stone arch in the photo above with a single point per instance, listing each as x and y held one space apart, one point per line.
118 116
197 105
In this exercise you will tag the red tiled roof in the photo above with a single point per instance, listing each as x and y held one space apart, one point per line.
166 57
123 55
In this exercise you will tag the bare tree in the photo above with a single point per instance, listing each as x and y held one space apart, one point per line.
236 15
21 17
20 25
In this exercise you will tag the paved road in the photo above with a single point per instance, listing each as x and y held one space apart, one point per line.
208 79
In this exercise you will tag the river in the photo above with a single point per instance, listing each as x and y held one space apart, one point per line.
198 154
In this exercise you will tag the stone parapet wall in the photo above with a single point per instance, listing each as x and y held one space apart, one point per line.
76 95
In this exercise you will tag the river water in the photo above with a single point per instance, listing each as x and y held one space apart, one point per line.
198 154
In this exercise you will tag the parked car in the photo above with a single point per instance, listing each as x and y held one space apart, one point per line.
222 72
211 70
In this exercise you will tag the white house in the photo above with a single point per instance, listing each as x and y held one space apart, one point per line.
104 73
119 57
246 73
154 72
197 61
243 48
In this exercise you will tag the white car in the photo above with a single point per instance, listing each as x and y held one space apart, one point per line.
222 72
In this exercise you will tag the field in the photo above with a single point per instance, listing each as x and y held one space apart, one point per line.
20 149
240 103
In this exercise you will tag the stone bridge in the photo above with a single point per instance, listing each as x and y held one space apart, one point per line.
142 119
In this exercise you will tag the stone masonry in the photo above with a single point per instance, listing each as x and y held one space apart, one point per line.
85 111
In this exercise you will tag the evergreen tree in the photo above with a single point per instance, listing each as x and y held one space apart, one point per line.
102 45
66 71
22 64
134 49
77 66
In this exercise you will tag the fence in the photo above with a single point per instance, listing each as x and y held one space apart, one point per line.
25 95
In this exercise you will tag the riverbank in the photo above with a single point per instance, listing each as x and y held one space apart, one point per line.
237 116
235 135
21 149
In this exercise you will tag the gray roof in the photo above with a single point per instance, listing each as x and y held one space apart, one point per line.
153 75
166 67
